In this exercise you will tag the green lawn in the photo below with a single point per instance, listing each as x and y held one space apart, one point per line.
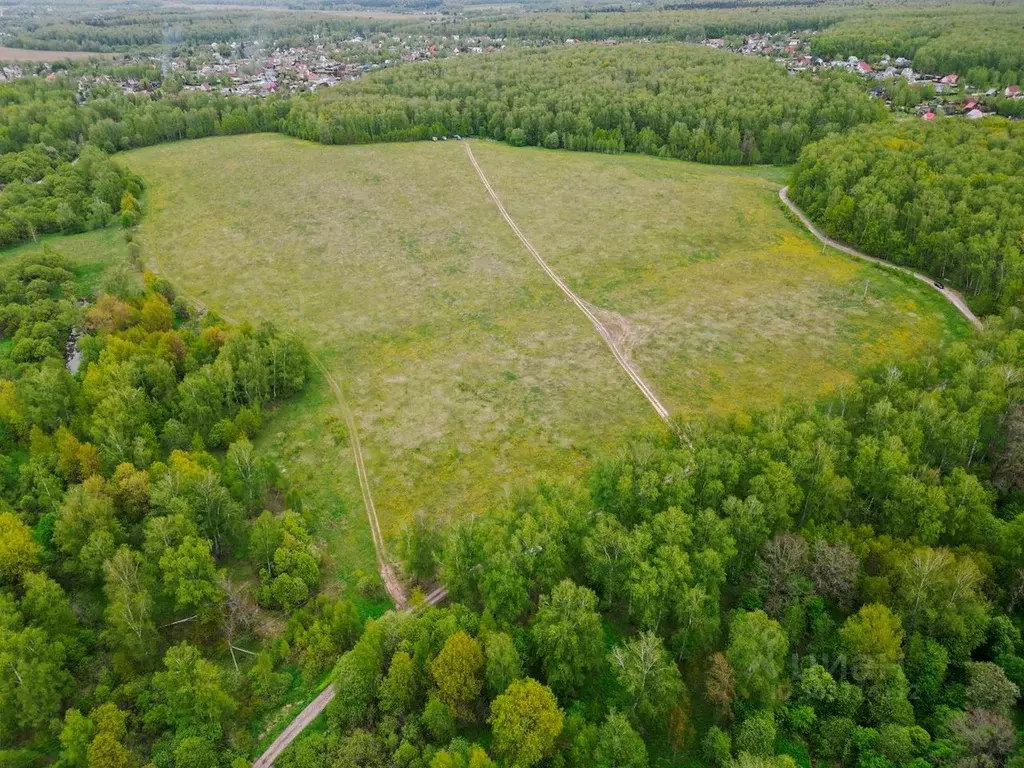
467 370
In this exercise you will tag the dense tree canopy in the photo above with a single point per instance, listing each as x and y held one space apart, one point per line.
830 583
675 101
981 44
668 100
126 489
946 198
842 581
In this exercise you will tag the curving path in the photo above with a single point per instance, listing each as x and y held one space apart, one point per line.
952 296
295 727
394 586
387 572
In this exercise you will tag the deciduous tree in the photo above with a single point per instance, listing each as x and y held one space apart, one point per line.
568 635
525 721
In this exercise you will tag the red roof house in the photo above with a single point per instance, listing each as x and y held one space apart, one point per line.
950 79
864 67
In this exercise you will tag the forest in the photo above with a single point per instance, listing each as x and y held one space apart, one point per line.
691 25
155 29
143 539
977 40
946 198
55 173
837 582
982 44
831 582
668 100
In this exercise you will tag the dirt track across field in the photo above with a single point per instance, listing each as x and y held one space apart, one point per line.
394 586
387 571
609 337
952 296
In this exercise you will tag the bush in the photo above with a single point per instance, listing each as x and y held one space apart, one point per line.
517 137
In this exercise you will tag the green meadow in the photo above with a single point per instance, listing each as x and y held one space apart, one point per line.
467 370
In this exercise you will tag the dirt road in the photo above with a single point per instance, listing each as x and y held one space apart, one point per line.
391 582
394 586
319 704
583 306
295 727
387 571
953 297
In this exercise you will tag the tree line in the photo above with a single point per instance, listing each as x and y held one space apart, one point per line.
668 100
672 101
155 29
55 175
164 29
143 539
946 198
833 583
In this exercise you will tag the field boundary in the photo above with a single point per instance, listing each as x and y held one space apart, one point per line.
394 587
582 305
951 295
387 573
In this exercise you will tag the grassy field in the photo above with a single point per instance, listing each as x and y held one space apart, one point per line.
736 306
467 370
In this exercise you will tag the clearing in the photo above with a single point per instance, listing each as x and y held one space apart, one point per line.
467 370
466 367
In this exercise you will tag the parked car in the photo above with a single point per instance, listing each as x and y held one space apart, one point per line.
940 286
